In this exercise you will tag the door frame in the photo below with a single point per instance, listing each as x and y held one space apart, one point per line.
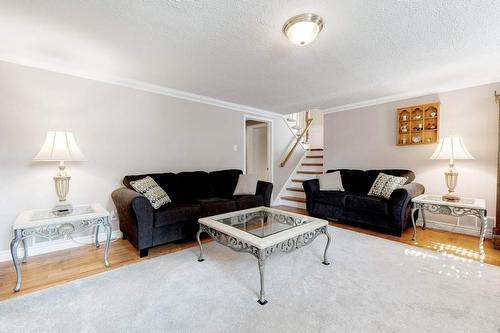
270 150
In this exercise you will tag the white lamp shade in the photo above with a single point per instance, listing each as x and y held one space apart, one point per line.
59 146
451 148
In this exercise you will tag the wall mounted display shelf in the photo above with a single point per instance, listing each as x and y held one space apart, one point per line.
418 124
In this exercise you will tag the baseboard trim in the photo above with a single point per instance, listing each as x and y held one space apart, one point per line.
455 228
58 245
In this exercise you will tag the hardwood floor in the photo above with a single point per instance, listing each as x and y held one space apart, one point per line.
55 268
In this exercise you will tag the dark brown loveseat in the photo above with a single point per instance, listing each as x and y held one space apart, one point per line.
194 194
355 206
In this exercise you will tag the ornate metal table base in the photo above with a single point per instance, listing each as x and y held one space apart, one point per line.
262 254
452 211
53 230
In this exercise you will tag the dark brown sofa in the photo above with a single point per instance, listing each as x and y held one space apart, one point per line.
354 205
194 194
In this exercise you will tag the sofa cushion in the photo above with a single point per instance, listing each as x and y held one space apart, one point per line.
367 203
336 198
175 213
130 178
168 181
224 182
371 175
194 185
384 185
360 182
214 206
247 185
150 189
331 181
249 201
353 181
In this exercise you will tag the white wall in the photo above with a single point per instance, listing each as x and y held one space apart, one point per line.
121 131
316 130
256 151
365 138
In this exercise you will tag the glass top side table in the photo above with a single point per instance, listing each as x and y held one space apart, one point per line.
43 223
465 207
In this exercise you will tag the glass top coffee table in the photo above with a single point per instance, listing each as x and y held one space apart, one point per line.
262 231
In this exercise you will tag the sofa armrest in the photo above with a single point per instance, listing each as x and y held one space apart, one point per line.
310 187
136 216
406 193
400 203
266 190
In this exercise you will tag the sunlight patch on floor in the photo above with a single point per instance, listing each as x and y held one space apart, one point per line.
457 259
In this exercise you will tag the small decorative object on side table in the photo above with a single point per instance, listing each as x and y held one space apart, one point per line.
464 207
46 224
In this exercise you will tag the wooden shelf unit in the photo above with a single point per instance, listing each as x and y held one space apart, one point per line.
417 124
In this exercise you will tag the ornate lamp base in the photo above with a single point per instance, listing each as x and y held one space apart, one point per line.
451 177
61 182
451 197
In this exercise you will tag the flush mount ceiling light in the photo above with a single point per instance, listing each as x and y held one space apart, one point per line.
303 29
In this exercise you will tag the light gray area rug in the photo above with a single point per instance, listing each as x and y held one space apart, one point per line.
372 285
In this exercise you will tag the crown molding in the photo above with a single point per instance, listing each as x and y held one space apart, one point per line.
180 94
406 95
140 85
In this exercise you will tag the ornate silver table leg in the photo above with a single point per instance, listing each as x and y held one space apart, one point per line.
484 224
261 259
423 218
413 211
13 251
97 236
200 257
107 225
25 248
325 259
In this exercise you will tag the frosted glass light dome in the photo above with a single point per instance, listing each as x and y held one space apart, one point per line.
303 29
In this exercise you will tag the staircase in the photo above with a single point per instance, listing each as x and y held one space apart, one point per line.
297 122
309 167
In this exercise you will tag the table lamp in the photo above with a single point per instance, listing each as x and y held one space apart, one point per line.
451 148
60 147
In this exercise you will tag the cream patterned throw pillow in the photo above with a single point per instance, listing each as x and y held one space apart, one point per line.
384 185
152 191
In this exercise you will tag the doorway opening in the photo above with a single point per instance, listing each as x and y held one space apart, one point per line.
258 154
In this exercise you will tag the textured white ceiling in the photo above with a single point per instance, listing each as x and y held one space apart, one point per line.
235 50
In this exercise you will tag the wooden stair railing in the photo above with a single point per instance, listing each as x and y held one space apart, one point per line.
297 141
